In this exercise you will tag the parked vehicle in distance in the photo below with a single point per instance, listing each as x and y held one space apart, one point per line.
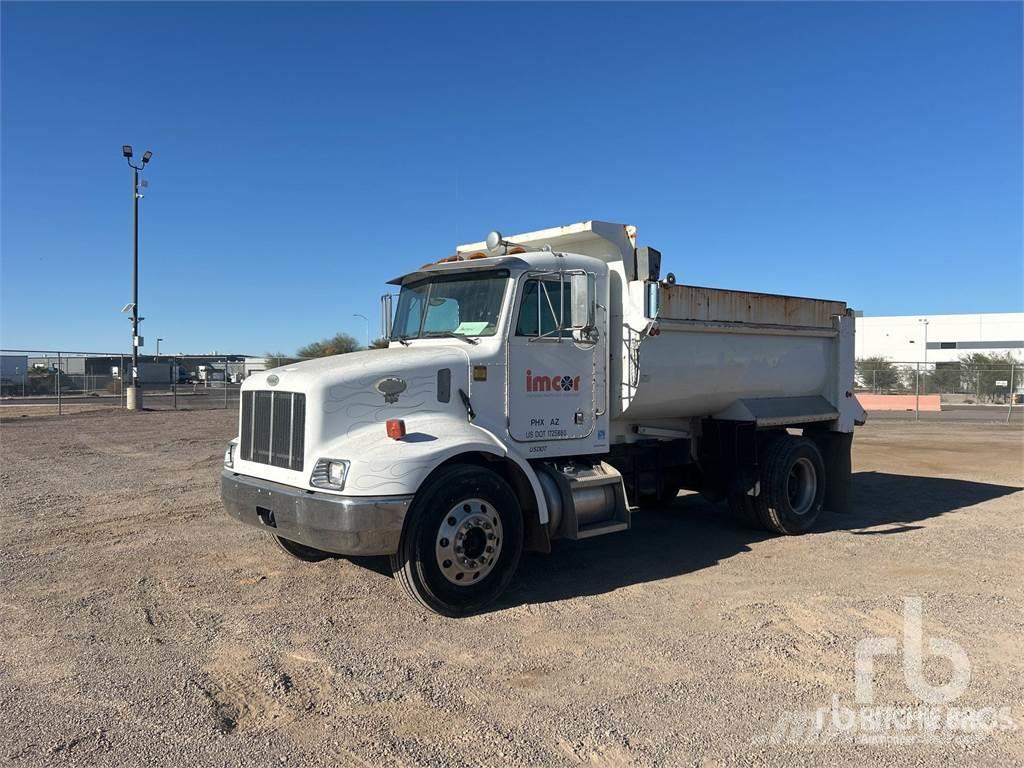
209 373
539 388
155 374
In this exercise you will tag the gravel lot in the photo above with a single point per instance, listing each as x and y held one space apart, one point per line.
142 627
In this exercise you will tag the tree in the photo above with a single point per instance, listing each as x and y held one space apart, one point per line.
941 379
981 372
878 374
381 343
277 359
339 344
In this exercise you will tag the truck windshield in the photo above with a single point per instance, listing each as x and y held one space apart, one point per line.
463 305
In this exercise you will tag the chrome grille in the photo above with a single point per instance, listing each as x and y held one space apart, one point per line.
273 428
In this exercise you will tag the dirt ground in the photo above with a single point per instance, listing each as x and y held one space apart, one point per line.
141 626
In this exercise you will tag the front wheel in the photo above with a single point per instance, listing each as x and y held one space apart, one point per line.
300 551
462 541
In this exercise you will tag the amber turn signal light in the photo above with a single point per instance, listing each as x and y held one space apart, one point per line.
396 429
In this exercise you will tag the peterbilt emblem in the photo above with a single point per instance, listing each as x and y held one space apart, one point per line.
391 388
272 379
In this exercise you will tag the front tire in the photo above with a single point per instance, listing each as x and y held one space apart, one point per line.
300 551
462 541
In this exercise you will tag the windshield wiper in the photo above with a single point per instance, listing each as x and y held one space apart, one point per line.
403 340
449 335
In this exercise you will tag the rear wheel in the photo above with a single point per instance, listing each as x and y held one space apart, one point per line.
300 551
792 480
462 541
744 509
669 490
665 492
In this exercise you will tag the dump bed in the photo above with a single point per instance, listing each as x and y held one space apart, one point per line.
693 302
740 355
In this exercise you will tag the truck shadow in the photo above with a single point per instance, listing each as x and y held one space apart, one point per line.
691 534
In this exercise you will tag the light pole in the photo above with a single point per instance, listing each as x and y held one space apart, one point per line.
367 327
134 401
924 322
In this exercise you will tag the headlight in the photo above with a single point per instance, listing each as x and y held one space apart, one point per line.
330 473
229 455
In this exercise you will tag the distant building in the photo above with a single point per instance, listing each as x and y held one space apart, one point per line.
902 338
112 365
13 367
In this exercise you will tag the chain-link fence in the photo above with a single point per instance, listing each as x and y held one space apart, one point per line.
973 388
42 382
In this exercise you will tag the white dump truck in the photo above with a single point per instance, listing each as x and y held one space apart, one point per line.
539 387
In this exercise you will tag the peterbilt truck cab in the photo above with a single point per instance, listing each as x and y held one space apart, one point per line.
544 387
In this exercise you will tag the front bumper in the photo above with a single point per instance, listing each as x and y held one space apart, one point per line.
344 525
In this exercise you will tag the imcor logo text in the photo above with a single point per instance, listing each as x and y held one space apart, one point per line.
557 383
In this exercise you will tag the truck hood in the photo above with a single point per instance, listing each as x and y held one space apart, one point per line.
345 393
343 375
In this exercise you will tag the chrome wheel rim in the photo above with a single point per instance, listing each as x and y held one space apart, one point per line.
468 542
802 486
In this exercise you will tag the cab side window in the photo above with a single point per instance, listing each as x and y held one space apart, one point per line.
544 309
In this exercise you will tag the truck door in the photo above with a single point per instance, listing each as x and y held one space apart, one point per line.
551 372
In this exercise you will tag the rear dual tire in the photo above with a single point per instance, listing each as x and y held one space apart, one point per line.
792 488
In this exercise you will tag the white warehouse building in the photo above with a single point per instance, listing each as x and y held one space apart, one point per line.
939 338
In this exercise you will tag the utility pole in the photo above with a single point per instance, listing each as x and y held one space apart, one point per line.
158 349
134 401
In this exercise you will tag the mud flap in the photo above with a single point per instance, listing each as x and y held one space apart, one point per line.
835 448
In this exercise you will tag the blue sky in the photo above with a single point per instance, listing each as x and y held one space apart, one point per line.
305 153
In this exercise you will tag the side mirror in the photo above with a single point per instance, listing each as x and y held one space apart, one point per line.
387 316
582 292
